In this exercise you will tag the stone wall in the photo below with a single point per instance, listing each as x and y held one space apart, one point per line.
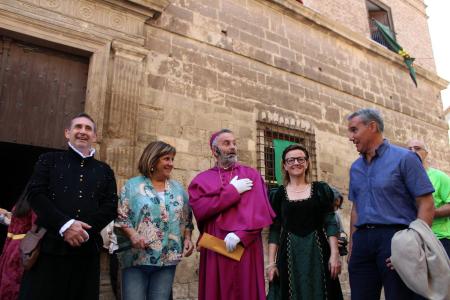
409 18
178 70
221 63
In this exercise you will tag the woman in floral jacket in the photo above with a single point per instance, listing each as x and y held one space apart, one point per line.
153 227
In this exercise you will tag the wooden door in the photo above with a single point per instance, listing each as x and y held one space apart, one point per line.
40 90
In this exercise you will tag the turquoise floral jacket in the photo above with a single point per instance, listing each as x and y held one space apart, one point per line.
161 222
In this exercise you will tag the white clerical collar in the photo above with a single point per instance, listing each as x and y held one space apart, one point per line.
91 151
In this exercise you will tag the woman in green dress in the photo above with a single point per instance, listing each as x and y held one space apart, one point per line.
304 261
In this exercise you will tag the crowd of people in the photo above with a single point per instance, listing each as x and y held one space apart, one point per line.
74 196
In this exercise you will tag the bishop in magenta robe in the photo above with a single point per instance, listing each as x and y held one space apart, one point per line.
220 209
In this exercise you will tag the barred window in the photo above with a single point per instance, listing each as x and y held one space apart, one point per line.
267 136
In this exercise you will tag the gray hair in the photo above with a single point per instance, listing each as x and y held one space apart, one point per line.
368 115
81 115
217 134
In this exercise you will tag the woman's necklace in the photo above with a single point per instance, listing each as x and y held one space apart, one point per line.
293 190
160 186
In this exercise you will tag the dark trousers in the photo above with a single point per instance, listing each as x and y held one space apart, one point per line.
367 267
446 244
55 277
114 274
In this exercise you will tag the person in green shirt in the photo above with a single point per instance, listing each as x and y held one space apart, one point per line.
441 184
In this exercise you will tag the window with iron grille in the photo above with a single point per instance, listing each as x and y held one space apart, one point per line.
381 13
266 134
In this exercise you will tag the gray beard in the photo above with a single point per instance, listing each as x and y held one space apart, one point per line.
226 160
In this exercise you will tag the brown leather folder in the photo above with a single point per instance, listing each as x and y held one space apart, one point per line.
217 245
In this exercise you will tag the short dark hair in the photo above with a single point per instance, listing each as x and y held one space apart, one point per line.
151 155
288 149
81 115
368 115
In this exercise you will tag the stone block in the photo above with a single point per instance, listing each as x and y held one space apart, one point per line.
277 82
209 9
158 45
215 63
226 84
332 115
270 46
277 38
193 290
250 39
180 13
244 73
204 77
237 103
156 82
282 63
180 291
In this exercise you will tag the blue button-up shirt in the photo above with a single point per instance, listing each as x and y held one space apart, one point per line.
385 189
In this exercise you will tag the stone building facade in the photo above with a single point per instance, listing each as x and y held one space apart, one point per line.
447 117
176 70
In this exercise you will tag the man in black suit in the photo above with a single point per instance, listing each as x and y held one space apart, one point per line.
74 196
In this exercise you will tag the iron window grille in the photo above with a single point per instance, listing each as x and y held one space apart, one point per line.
266 133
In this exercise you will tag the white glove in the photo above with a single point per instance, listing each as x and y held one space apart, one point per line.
231 241
241 185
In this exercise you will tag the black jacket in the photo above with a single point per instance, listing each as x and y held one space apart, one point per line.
66 186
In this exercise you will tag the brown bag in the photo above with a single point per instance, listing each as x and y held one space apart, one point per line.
30 246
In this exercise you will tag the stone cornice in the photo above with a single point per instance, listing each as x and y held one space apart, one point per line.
418 5
299 12
279 118
124 49
147 8
29 23
118 19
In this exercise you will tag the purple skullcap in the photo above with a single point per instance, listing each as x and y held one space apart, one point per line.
213 137
216 134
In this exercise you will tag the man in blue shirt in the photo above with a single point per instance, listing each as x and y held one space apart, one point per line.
389 189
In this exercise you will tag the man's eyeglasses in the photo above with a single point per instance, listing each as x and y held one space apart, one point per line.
291 160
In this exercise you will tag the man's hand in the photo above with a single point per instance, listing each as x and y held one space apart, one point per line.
187 248
231 241
442 212
389 263
353 220
76 234
241 185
